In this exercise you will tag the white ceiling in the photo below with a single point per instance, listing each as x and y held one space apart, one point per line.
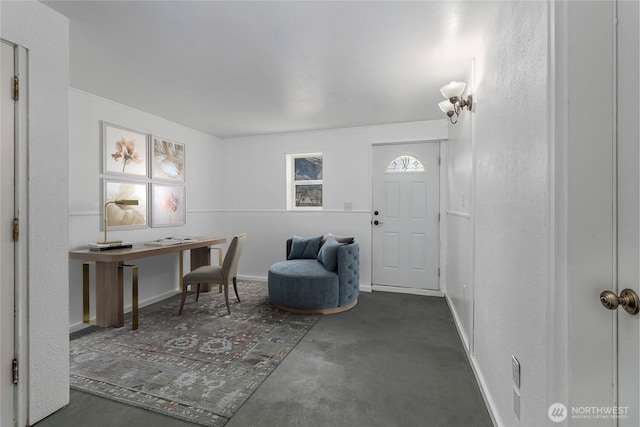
232 68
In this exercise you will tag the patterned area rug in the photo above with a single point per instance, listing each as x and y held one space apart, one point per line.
200 366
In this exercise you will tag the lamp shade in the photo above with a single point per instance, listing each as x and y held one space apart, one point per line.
446 106
452 90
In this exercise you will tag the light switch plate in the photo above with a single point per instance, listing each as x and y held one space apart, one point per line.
516 402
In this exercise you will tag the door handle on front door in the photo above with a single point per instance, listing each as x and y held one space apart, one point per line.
628 299
376 222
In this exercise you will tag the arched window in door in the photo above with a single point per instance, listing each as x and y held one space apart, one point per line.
404 164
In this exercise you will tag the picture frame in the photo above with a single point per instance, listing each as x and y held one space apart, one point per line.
121 217
125 151
168 159
169 205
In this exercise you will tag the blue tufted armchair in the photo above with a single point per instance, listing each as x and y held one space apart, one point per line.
320 275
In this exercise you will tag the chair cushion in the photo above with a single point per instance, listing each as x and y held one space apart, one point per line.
305 247
303 284
328 254
204 274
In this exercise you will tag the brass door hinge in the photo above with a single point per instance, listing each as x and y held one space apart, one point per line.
16 89
15 370
16 229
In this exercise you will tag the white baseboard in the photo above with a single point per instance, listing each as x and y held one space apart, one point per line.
412 291
127 309
488 400
366 287
80 326
456 321
254 278
363 287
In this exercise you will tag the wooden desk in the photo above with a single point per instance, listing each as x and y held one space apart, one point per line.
109 288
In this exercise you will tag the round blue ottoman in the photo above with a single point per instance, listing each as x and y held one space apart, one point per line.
304 286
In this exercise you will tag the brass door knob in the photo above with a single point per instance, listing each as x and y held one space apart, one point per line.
628 299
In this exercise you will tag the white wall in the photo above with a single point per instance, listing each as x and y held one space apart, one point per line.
45 34
255 190
459 225
503 157
204 164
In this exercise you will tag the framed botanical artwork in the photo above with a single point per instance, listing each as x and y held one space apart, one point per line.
126 214
168 159
124 150
169 205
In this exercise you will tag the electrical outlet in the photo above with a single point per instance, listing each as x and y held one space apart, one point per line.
348 206
516 402
515 371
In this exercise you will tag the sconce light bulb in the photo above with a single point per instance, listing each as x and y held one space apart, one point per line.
452 90
446 106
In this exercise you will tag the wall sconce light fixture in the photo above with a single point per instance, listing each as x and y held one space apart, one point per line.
116 202
454 104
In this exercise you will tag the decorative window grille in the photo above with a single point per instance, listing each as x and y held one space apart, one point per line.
404 164
304 181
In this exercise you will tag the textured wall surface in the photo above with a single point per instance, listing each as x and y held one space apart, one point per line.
510 138
45 34
459 222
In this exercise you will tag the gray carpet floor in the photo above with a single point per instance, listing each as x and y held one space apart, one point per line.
393 360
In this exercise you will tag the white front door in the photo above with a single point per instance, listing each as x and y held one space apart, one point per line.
405 216
6 237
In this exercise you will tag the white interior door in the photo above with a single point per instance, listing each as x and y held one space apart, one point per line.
628 212
7 331
603 215
607 369
405 216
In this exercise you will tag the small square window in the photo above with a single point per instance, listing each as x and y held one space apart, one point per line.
304 181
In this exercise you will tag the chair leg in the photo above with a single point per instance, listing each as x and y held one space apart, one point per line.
198 292
226 296
184 297
235 288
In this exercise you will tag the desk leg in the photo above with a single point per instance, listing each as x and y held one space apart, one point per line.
134 297
200 257
134 292
109 294
86 277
